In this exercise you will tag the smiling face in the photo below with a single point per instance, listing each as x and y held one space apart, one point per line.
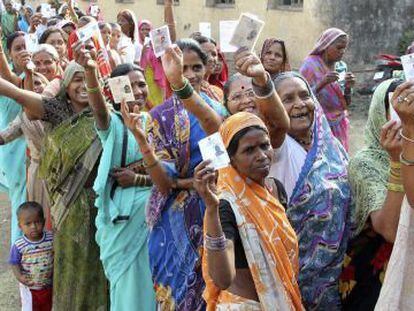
254 155
17 46
106 33
273 58
299 105
76 90
211 50
241 96
56 40
45 64
193 69
335 52
139 89
144 30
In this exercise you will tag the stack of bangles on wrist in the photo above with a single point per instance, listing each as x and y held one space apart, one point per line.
92 90
142 180
395 174
403 160
215 243
185 92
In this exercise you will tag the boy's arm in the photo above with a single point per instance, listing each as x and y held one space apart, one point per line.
19 276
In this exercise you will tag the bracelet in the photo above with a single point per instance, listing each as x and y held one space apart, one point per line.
135 179
395 187
215 243
185 92
148 166
92 90
395 164
405 161
396 174
184 86
410 140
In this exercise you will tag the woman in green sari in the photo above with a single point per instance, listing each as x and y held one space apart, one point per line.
122 187
70 152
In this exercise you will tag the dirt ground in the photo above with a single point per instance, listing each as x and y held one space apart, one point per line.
9 295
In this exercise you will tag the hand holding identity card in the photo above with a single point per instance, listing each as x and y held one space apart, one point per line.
121 89
408 66
247 31
88 31
212 148
160 39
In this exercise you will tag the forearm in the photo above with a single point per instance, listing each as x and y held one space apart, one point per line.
408 170
17 272
272 110
12 132
28 81
96 100
184 183
221 267
169 19
73 14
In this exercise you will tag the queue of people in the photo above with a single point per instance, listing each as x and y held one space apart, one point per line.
113 206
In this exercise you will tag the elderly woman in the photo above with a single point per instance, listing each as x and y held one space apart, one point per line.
46 61
244 211
70 144
274 56
175 210
323 69
375 177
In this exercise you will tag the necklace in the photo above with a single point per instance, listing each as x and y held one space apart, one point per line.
305 143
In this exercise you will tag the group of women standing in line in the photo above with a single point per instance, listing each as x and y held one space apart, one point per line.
287 225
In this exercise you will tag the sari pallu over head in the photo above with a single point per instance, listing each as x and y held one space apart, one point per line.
319 211
273 262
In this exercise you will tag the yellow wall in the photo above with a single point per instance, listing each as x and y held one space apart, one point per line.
300 29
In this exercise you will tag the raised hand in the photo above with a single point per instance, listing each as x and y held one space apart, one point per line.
391 140
133 121
403 103
172 62
205 184
83 56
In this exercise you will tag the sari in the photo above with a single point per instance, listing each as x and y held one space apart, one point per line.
176 220
268 240
319 211
12 164
212 91
331 97
123 244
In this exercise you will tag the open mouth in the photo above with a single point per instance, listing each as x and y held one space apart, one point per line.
299 116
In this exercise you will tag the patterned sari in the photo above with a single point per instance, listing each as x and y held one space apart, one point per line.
175 241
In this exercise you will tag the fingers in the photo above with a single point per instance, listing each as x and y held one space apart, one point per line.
124 110
201 166
402 88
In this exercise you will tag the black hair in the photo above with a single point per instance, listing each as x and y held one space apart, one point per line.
124 69
192 45
10 38
201 39
103 24
227 86
234 143
30 205
45 35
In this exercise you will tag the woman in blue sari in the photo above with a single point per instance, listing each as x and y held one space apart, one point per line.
312 164
175 211
122 187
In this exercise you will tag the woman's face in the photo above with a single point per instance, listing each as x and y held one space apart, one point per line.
28 13
139 89
125 25
68 29
254 155
194 69
335 52
76 90
106 33
18 46
39 84
299 105
115 37
211 51
45 64
273 58
56 40
241 96
144 30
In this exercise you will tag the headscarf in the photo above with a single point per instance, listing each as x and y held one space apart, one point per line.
220 79
326 39
266 46
130 17
273 262
141 23
71 69
369 168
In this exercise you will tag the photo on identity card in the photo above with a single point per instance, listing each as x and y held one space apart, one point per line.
121 89
160 39
247 31
408 66
212 148
31 42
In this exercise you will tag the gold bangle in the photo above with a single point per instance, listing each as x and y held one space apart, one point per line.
92 90
395 187
186 82
406 162
148 166
395 173
395 164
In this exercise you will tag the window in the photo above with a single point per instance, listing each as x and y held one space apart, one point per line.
220 3
285 4
176 2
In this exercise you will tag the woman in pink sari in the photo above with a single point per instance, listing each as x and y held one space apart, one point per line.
327 74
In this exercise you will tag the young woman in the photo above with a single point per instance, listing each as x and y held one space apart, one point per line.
70 144
175 211
130 48
244 211
56 38
106 32
122 187
274 57
321 69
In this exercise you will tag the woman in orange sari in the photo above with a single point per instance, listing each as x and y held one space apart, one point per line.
251 250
